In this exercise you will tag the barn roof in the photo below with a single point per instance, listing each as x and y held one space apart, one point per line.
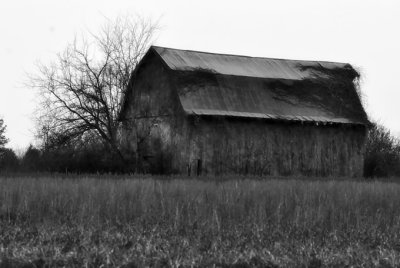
186 60
248 87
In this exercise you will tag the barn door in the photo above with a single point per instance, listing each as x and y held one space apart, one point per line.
199 167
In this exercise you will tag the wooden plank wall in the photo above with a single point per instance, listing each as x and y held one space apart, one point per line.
260 148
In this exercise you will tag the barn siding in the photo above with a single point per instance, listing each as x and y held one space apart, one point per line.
152 106
264 148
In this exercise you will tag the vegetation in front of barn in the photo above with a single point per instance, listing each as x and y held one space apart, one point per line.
167 222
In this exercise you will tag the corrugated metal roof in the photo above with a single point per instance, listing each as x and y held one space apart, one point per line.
317 119
253 97
185 60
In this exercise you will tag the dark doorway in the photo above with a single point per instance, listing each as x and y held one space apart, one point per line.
199 167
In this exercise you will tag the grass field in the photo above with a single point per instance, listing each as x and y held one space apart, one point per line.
77 221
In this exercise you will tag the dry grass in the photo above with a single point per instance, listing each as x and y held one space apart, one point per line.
78 221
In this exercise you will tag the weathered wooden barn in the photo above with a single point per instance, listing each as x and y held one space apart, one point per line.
197 113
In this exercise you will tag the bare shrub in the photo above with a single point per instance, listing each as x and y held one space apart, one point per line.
382 155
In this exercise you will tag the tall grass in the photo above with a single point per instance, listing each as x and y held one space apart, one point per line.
330 205
181 222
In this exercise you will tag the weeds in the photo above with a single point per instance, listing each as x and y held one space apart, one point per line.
199 223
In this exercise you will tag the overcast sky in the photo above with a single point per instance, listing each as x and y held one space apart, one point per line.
364 33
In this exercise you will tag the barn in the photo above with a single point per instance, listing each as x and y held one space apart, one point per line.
196 113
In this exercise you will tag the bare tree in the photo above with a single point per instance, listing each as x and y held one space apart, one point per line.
3 139
81 91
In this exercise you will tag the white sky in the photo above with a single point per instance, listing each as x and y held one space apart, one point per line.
364 33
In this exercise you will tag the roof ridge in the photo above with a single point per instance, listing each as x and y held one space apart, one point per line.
246 56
